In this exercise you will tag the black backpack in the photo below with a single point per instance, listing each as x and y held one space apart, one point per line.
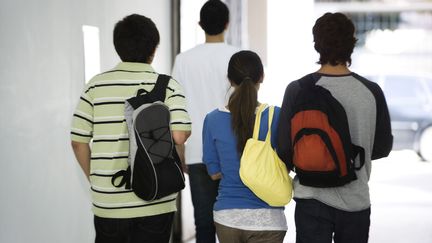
323 154
154 166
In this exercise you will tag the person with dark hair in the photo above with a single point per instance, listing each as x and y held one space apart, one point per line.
214 17
239 215
340 213
202 72
121 216
136 39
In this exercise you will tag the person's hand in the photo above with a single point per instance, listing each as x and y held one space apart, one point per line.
216 176
181 153
184 166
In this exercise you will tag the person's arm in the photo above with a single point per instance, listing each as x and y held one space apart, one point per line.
82 154
210 155
216 176
284 143
383 141
180 137
181 124
82 130
180 147
181 153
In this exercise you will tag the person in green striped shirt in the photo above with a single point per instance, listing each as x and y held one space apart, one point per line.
100 138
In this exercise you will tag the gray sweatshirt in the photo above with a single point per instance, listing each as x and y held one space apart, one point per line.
369 125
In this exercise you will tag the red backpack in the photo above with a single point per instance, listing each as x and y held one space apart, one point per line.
323 154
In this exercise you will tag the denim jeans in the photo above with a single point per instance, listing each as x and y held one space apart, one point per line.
317 222
150 229
203 191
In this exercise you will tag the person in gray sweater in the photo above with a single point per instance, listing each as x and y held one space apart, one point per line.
339 213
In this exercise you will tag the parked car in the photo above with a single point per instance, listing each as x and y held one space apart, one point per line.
409 99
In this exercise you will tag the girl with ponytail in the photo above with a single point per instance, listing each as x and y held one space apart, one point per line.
239 215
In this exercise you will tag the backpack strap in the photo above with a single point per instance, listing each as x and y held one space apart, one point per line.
358 151
158 93
159 90
125 176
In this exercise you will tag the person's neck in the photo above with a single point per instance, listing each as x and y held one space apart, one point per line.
340 69
215 38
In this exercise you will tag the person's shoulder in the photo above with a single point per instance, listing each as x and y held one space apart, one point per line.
101 76
214 117
228 50
184 56
232 48
220 49
372 86
191 52
173 81
294 85
196 55
215 114
276 109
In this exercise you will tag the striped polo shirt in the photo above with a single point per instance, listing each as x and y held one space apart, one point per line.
99 119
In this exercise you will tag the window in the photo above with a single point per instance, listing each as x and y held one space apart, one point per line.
91 51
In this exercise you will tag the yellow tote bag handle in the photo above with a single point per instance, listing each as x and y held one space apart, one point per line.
270 119
261 108
258 120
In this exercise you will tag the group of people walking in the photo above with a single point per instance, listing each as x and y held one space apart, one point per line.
213 92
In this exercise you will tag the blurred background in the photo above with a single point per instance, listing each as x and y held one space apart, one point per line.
50 48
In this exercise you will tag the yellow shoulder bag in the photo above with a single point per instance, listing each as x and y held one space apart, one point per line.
261 169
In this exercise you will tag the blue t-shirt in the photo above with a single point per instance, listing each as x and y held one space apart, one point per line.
220 155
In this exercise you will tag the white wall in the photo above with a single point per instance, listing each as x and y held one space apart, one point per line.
44 196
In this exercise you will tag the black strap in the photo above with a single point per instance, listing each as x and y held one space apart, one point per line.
125 178
156 139
324 137
356 151
159 89
158 93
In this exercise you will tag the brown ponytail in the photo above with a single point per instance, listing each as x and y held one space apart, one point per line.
245 70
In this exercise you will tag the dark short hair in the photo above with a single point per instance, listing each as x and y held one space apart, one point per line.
334 39
135 38
214 16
